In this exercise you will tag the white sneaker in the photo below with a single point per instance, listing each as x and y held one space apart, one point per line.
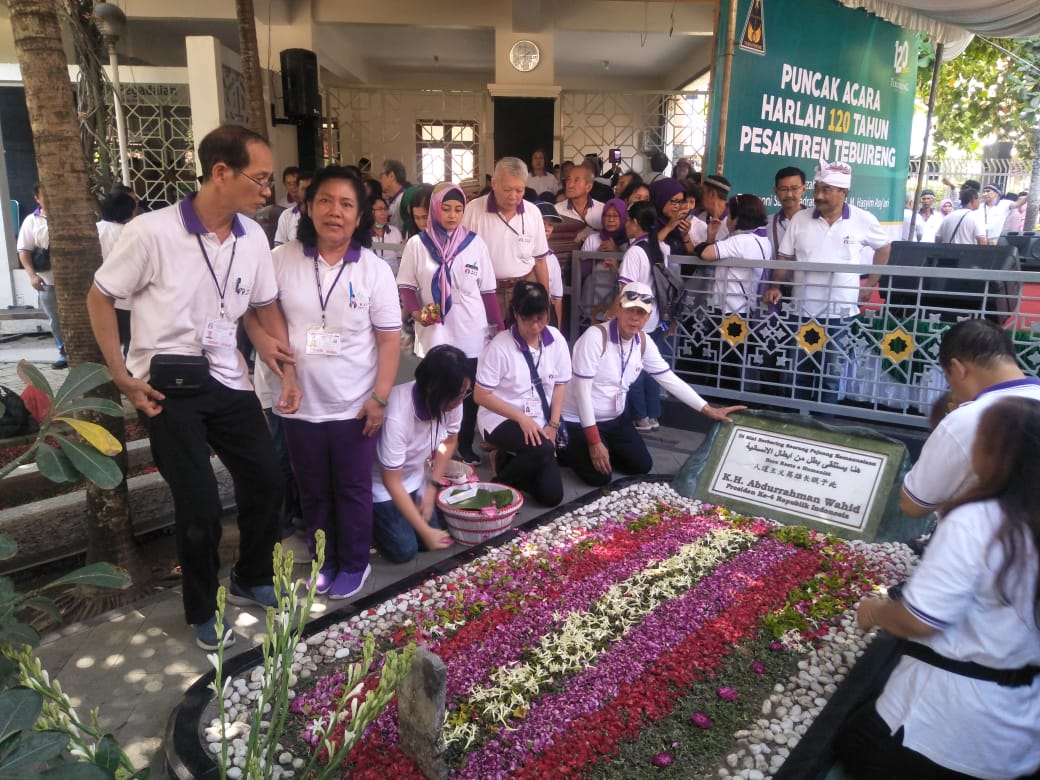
643 424
654 423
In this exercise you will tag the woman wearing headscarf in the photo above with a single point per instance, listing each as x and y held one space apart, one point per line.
675 227
447 266
611 237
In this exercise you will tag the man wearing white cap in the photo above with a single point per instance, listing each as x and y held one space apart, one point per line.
607 359
995 210
834 232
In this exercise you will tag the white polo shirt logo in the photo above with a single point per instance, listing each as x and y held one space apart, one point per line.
241 289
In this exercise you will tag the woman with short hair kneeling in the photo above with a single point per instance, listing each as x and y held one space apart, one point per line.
607 360
522 378
419 434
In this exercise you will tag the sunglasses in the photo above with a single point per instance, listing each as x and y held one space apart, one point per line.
632 295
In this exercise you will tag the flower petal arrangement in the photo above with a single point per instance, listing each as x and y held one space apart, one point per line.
643 633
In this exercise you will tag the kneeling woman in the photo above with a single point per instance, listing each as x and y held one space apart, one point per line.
419 434
522 378
964 700
607 360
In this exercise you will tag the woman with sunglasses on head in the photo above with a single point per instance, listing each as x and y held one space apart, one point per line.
521 382
448 266
964 699
607 360
344 317
416 442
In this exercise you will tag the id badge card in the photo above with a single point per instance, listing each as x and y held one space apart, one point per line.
220 334
619 402
323 342
532 406
525 245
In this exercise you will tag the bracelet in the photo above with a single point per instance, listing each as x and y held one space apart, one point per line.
552 424
592 435
381 401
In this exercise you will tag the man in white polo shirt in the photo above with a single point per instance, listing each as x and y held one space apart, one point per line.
515 236
579 203
189 272
979 362
833 232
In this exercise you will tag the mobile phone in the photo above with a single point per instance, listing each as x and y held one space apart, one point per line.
615 155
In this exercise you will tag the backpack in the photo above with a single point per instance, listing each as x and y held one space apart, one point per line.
15 419
668 289
598 291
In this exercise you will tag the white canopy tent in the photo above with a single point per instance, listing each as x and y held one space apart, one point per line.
951 21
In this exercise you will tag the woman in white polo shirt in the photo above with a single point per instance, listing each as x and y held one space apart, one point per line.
522 371
607 360
416 442
341 306
385 233
964 700
448 265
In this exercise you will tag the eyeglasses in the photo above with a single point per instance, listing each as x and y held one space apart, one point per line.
677 200
263 184
789 190
632 295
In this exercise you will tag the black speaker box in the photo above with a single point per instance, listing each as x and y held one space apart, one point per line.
300 83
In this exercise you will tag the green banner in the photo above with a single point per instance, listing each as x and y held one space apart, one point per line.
816 79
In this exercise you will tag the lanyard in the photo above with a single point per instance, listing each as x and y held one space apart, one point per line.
621 356
506 223
324 302
213 273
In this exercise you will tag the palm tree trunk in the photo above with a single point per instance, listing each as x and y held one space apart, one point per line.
255 103
1034 185
75 251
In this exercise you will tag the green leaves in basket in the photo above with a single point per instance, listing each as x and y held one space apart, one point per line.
486 498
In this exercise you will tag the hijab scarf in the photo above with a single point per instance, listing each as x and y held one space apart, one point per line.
621 208
442 244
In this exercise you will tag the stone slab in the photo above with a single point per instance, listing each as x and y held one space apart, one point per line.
837 479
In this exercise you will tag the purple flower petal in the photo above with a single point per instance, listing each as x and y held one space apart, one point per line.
727 694
701 721
661 760
758 667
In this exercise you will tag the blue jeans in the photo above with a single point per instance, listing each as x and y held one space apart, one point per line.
393 535
818 376
49 304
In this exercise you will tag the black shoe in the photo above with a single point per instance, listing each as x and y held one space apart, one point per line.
60 363
469 457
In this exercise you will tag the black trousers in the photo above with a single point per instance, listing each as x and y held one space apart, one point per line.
533 469
232 423
869 752
628 452
469 415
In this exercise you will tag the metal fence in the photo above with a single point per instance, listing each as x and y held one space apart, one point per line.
880 365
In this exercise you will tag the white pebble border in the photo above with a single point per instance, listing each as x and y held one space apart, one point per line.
763 749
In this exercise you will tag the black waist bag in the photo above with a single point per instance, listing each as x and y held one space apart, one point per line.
41 259
178 375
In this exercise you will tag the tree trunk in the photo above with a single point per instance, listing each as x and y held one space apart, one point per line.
1034 186
75 250
255 103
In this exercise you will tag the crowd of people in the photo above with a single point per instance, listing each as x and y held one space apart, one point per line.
981 215
357 259
324 313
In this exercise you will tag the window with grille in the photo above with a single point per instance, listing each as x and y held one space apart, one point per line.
446 150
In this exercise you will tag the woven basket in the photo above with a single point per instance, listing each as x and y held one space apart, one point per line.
471 526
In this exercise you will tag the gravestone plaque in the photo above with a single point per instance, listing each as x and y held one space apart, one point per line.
836 479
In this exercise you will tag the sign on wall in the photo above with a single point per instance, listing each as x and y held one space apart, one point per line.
816 80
